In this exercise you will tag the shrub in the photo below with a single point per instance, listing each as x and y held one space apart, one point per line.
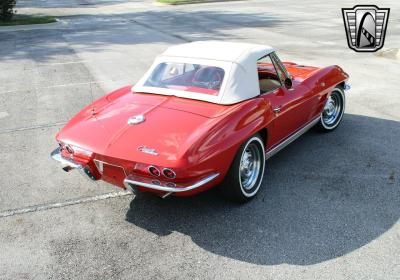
7 9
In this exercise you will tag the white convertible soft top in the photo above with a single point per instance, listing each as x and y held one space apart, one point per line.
238 60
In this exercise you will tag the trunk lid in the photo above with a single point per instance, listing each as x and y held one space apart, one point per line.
171 124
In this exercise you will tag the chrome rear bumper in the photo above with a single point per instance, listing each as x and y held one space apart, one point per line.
67 164
132 181
169 187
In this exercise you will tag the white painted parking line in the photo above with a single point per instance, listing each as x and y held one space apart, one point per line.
47 206
63 63
62 85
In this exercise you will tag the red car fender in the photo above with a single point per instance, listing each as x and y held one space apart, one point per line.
323 81
216 149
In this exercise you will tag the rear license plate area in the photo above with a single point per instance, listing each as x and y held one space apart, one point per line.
113 174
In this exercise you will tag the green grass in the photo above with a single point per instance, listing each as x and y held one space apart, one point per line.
179 2
27 19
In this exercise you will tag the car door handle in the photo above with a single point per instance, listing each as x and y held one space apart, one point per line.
277 109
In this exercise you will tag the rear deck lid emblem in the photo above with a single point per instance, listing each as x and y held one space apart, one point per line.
147 150
136 119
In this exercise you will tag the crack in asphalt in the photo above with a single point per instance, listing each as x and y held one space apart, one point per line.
148 26
10 130
48 206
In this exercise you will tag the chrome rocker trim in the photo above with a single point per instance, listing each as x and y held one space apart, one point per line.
291 138
160 187
56 155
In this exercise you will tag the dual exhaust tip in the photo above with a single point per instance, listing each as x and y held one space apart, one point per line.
168 173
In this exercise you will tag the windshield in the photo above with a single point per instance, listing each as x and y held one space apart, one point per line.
187 77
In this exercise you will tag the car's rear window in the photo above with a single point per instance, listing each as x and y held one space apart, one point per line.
187 77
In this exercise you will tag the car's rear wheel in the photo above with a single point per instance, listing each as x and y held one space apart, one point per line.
245 175
332 113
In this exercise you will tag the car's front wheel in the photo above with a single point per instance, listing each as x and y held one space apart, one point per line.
245 175
332 113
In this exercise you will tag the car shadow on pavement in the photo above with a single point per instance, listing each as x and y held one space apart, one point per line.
324 196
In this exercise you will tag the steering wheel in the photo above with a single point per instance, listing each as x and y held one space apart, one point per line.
208 77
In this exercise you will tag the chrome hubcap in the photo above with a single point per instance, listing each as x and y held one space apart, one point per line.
250 166
332 109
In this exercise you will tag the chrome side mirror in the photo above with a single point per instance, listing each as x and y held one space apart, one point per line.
288 83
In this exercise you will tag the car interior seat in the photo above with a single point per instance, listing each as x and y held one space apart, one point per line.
268 84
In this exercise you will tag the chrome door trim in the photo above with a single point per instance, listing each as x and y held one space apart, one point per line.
291 138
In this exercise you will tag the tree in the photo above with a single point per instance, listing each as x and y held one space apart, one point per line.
7 9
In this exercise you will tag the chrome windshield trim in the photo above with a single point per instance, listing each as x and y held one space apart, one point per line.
291 138
198 184
56 155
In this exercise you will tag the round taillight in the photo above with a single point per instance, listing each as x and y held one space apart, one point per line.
170 174
69 149
154 171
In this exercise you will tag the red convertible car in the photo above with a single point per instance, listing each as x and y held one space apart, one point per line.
205 114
